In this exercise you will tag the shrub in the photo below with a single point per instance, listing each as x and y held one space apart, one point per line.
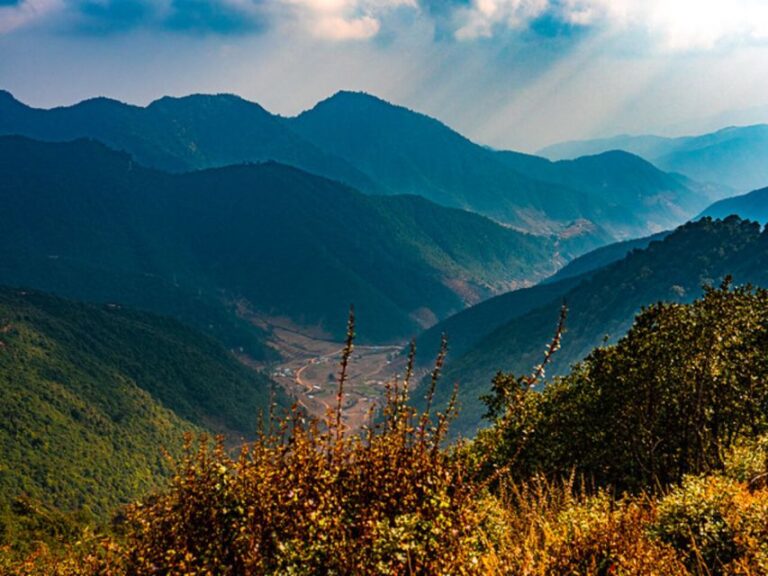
669 399
550 529
306 498
716 524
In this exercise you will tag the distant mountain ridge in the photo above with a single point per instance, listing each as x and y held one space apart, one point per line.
635 197
409 152
376 147
90 223
179 134
752 206
736 157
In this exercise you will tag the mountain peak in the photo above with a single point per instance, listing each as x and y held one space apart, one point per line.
201 100
8 99
356 100
101 103
358 95
365 108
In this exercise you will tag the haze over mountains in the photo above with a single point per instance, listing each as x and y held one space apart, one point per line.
732 157
381 148
753 206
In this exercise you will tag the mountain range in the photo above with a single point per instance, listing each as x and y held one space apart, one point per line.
90 223
734 157
214 211
381 148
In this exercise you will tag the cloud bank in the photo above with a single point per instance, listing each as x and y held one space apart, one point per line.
673 25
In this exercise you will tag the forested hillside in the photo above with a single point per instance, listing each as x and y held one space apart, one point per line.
90 223
602 305
93 397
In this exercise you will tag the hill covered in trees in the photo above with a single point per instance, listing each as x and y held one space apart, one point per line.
90 223
93 397
601 305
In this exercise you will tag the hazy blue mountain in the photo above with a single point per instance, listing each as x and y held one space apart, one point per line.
603 303
381 148
752 206
735 157
87 222
408 152
179 134
632 196
647 146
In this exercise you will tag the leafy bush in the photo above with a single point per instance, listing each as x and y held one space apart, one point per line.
670 398
693 519
717 525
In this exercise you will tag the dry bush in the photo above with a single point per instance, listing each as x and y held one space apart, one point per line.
90 556
545 528
306 498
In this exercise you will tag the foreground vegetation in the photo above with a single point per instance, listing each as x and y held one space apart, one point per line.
649 458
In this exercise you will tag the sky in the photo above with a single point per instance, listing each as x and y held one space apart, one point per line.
512 74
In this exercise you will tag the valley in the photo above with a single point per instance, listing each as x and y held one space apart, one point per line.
309 369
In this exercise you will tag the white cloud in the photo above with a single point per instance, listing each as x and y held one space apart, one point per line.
345 19
697 24
673 25
13 17
480 19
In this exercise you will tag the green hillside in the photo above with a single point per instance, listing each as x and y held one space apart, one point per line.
465 329
90 223
603 256
603 304
469 326
93 395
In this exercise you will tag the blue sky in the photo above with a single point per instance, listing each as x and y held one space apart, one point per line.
515 74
